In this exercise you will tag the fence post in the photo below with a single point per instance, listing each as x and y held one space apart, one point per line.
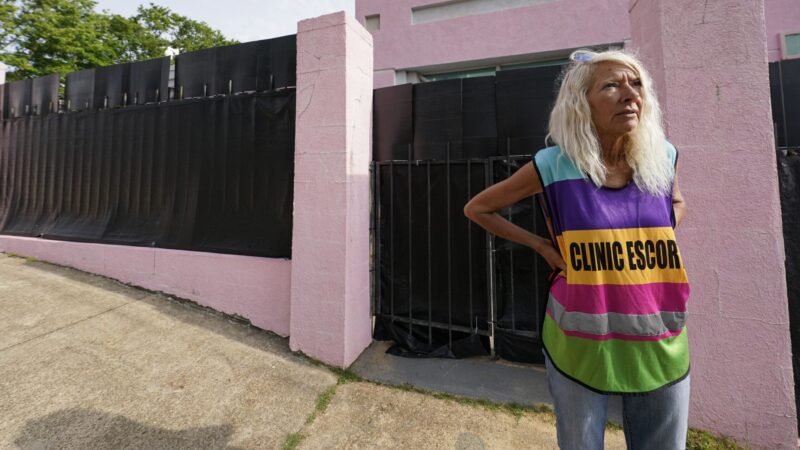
330 303
709 62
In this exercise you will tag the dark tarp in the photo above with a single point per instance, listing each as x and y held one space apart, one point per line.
195 73
18 98
460 112
208 175
392 122
789 176
524 100
521 280
44 94
256 66
790 76
437 120
251 66
111 84
280 62
431 267
149 81
433 272
478 118
776 99
784 84
79 90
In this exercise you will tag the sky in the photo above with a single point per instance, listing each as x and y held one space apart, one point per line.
243 20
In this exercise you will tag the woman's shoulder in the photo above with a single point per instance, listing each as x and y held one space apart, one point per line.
554 165
547 154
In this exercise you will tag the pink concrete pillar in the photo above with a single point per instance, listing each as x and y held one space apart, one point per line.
710 63
330 299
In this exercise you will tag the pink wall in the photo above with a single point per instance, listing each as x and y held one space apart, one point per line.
254 288
550 26
545 27
330 316
783 16
718 111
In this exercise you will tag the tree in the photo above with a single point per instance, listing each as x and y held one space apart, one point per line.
39 37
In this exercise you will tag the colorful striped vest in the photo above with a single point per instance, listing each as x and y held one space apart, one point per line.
615 319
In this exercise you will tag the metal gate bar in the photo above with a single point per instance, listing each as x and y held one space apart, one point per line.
491 249
508 158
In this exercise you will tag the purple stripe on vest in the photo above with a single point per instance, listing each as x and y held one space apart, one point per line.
650 298
585 207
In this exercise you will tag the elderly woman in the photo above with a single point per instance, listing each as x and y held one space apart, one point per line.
617 304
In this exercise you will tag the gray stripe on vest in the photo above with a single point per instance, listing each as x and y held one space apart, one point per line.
627 324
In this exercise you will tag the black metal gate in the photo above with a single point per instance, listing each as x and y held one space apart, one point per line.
442 285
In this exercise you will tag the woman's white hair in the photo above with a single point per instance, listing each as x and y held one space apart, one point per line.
571 125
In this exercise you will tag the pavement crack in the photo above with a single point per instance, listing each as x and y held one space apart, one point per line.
63 327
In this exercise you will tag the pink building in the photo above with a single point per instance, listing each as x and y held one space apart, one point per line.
426 38
709 60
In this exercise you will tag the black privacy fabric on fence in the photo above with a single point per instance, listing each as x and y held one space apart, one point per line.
79 90
437 119
440 282
434 294
524 100
18 97
432 259
252 66
149 81
392 113
476 116
784 81
789 177
44 94
111 84
208 175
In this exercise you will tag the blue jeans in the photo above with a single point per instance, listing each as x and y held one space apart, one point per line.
654 421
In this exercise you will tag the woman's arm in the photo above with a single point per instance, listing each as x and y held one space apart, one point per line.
678 204
482 209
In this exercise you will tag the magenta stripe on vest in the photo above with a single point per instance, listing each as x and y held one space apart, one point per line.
624 299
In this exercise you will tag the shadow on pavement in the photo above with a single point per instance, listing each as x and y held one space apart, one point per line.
89 429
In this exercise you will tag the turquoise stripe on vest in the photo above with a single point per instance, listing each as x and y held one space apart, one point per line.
554 166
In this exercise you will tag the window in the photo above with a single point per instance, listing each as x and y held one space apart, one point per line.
372 23
790 45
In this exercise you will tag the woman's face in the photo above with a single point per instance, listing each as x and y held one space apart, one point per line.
615 99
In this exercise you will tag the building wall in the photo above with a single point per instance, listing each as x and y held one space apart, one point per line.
718 111
783 16
531 30
536 31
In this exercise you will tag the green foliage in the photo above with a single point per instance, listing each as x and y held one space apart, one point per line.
323 400
293 441
39 37
702 440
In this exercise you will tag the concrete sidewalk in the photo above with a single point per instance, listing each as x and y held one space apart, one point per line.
86 362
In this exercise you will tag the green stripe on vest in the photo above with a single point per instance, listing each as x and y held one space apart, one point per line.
639 366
